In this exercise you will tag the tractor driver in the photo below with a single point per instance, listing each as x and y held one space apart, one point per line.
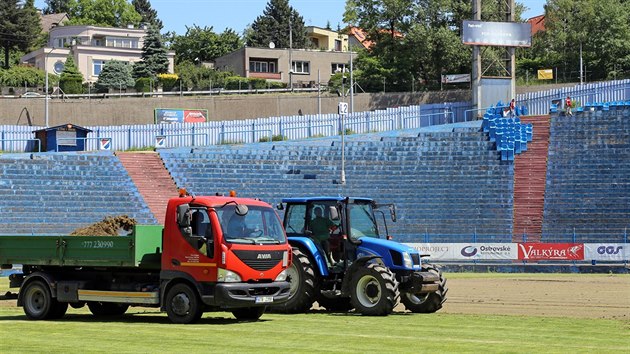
321 227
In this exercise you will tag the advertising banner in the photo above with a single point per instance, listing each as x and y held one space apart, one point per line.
551 251
169 115
545 74
606 251
507 34
455 78
467 251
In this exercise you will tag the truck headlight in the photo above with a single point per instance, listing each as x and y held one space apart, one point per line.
282 276
227 276
407 262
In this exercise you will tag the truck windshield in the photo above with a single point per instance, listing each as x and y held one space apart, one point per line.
362 222
261 225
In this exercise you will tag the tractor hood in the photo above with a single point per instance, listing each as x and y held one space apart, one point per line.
385 245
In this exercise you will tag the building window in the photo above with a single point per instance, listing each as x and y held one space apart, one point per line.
260 66
338 68
338 45
121 42
301 67
97 67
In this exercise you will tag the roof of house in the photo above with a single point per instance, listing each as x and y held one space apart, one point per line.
52 20
538 23
362 36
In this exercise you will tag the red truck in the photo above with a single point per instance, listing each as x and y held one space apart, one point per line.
214 253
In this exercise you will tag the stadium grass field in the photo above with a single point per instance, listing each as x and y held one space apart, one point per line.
481 315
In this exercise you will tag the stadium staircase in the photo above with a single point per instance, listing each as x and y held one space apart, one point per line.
530 170
151 178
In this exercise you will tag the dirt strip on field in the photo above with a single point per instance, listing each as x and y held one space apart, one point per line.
578 296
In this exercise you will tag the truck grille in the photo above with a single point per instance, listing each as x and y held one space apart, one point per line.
259 260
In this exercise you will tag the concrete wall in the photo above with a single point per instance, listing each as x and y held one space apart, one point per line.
124 111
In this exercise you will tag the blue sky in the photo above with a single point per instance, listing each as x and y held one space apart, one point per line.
237 14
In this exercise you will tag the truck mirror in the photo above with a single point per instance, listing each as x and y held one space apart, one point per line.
241 210
280 206
334 214
183 215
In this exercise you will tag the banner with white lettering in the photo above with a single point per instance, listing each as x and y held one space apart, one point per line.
606 251
551 251
467 251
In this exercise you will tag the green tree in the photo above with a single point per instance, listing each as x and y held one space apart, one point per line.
600 27
106 13
115 75
154 56
19 27
58 6
198 77
71 79
149 15
203 44
273 26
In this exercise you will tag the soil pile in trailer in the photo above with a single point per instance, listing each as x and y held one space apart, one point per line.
110 226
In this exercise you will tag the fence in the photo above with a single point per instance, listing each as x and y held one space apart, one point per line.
538 103
251 130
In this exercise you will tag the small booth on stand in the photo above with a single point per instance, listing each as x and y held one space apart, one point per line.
65 137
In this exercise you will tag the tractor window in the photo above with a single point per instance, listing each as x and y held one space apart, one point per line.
362 222
295 219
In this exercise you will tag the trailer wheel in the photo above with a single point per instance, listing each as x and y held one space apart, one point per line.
248 313
101 309
303 282
38 302
183 304
427 303
374 290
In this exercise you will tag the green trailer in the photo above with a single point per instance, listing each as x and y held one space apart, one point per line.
142 249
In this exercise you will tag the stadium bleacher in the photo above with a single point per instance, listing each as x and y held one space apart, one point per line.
448 185
56 193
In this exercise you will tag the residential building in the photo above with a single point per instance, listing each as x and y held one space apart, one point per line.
92 47
537 23
296 67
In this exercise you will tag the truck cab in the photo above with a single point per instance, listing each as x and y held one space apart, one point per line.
233 249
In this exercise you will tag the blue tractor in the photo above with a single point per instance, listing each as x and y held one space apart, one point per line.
358 266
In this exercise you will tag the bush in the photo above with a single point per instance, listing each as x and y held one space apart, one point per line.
71 84
167 81
143 84
236 83
277 137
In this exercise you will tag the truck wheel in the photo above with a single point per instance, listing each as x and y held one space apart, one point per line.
58 309
248 313
183 305
38 303
301 277
101 309
374 290
427 303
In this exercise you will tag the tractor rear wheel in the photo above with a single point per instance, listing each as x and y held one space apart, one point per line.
374 290
427 303
301 277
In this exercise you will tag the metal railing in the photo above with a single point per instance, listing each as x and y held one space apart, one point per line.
159 144
85 140
39 144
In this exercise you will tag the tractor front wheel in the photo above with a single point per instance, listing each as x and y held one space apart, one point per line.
374 290
430 302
